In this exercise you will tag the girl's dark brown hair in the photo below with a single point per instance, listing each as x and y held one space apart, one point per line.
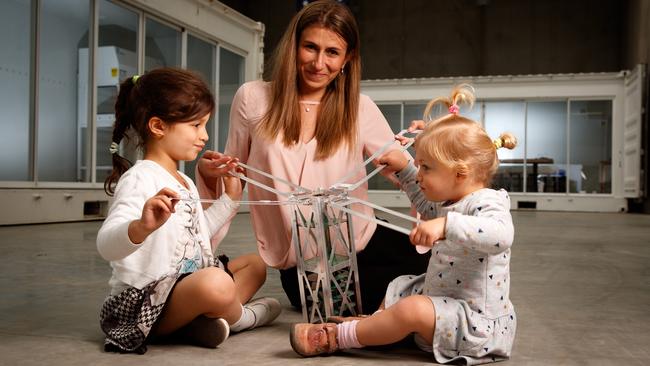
336 122
173 95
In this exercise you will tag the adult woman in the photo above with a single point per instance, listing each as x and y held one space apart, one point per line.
311 126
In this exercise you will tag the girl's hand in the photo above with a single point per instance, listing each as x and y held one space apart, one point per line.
394 161
232 187
415 125
428 232
155 213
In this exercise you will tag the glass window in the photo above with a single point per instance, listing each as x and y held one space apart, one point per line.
539 162
63 39
162 45
590 134
414 112
393 114
117 59
473 113
546 147
201 58
231 77
507 117
14 90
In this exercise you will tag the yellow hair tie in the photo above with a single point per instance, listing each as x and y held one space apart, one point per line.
498 143
135 78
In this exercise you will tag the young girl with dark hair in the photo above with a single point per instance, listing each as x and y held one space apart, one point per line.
165 277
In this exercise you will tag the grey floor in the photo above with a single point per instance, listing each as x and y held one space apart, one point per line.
580 285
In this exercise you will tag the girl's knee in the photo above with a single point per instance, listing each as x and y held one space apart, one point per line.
216 286
414 309
258 266
251 265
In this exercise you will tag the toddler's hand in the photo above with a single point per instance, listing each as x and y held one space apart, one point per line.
155 213
428 232
394 161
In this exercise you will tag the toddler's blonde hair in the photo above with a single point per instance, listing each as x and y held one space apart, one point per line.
459 142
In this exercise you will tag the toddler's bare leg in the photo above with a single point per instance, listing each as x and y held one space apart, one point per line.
412 314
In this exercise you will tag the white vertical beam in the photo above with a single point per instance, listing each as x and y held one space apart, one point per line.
34 94
93 43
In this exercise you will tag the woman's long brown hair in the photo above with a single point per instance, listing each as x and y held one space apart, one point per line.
336 122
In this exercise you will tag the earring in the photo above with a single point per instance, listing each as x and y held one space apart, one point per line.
343 70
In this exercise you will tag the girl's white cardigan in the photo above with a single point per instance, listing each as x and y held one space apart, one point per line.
137 265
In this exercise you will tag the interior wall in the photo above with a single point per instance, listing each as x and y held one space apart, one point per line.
637 33
425 38
275 15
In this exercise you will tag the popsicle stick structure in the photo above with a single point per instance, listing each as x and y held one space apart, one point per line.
323 239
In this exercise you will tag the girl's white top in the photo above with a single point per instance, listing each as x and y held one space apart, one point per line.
161 253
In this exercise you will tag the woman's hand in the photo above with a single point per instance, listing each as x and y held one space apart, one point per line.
394 161
155 213
214 164
415 125
428 232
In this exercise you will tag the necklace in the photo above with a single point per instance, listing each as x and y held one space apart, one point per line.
309 103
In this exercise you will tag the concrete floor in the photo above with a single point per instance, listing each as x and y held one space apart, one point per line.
580 285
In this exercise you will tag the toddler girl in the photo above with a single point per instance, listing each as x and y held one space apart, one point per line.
459 309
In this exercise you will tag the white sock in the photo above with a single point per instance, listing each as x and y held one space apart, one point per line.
246 320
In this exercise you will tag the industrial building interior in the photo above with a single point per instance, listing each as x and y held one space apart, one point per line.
569 78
